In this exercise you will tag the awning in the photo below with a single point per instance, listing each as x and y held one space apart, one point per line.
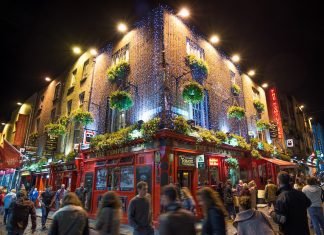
9 156
281 163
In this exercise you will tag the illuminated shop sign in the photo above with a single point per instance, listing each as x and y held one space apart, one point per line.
187 161
213 161
275 111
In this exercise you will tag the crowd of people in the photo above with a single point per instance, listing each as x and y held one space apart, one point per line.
290 202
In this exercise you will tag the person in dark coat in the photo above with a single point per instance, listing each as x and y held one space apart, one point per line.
109 214
175 220
213 210
81 192
47 200
250 221
291 208
71 218
19 211
229 199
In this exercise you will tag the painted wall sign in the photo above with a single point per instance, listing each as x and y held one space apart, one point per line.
187 161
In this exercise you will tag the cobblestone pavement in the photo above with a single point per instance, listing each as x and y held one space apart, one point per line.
124 230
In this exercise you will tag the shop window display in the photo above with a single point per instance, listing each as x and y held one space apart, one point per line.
214 175
113 178
127 178
202 177
101 179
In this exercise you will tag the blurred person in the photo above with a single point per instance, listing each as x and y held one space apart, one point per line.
8 199
175 220
213 210
220 190
81 192
71 218
270 193
315 211
229 199
109 214
298 184
2 196
19 211
290 211
33 195
59 195
254 194
250 221
47 201
140 211
239 187
188 202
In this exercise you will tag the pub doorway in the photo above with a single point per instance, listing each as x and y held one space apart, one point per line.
185 178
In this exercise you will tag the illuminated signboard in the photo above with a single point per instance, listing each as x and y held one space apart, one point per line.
213 161
275 111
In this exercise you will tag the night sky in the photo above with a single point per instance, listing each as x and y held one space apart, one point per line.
283 40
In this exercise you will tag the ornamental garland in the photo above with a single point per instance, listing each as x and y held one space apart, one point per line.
236 90
64 120
120 100
199 68
55 129
150 128
255 154
193 93
119 71
235 112
180 125
84 117
232 163
262 125
258 106
33 138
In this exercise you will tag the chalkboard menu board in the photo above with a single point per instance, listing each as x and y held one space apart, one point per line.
88 185
144 173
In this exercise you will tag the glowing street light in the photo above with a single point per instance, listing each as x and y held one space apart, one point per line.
301 107
310 118
265 85
76 50
48 79
184 12
251 73
3 124
93 52
214 39
121 27
19 103
236 58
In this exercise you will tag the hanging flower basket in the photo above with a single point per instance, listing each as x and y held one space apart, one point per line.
64 120
236 90
83 117
120 100
262 125
236 112
258 106
232 163
55 129
118 71
199 67
180 125
33 138
193 93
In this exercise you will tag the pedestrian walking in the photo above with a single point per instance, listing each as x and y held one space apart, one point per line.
81 192
176 220
315 211
140 211
109 214
213 210
59 196
270 194
239 187
229 199
290 210
298 184
34 195
8 199
2 195
19 211
47 201
188 202
220 190
250 221
71 218
254 194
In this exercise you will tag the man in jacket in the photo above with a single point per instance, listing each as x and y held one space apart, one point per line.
314 193
291 208
60 195
176 220
140 211
8 199
19 212
270 194
47 198
81 192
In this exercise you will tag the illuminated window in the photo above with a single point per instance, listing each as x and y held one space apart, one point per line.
255 94
73 78
199 112
192 48
115 119
85 71
121 55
